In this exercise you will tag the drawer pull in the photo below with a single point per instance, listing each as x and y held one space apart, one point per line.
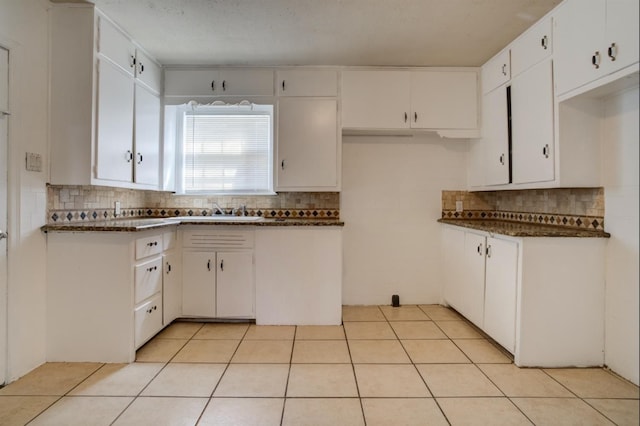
152 244
545 42
612 51
153 268
595 60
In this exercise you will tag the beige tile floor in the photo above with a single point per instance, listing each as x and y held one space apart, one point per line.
413 365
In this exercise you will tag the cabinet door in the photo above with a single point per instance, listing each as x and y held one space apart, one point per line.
532 47
199 284
147 137
307 83
194 82
500 292
532 124
444 100
171 287
115 123
245 82
115 45
454 272
472 291
495 137
578 36
235 286
376 99
307 143
621 34
496 71
148 72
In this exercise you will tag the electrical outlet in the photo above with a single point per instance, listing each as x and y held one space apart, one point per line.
458 206
116 208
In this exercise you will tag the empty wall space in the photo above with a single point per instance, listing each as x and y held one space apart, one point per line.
620 180
390 201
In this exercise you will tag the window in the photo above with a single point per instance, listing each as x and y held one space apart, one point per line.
225 149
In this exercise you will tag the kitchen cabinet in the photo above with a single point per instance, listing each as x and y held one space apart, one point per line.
492 151
172 278
527 284
532 47
593 38
307 82
298 275
199 82
218 273
496 71
105 295
98 75
308 148
440 100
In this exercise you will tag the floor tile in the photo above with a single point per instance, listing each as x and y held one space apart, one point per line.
377 352
458 330
594 383
322 380
320 332
457 380
180 330
482 351
434 351
620 411
83 410
222 331
320 351
159 350
322 412
417 330
118 380
52 378
368 330
177 379
153 411
18 410
243 411
270 332
381 380
403 313
439 313
406 412
482 412
207 351
263 351
362 313
523 382
253 380
560 411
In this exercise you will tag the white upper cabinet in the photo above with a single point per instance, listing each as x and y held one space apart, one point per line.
147 135
593 38
305 82
148 72
218 82
397 99
496 71
113 44
532 47
494 145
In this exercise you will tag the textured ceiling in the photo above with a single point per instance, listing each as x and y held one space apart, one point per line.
325 32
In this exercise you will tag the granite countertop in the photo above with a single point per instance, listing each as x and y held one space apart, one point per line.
519 229
134 225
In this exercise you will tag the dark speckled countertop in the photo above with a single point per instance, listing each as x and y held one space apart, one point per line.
519 229
134 225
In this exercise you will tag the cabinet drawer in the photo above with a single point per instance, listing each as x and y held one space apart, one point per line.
115 45
148 279
496 71
531 48
148 246
307 83
148 320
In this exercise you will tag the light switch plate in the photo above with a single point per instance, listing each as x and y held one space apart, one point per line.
458 206
116 208
34 162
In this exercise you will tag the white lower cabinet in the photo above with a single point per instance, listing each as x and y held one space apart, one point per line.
172 287
541 298
199 284
148 319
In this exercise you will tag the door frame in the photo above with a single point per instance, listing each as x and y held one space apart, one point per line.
4 280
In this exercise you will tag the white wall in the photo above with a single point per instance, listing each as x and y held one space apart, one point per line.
24 31
620 179
390 202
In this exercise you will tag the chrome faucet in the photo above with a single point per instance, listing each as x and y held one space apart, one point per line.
218 208
242 209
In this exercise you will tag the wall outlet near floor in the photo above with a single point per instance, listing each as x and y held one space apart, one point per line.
116 208
458 206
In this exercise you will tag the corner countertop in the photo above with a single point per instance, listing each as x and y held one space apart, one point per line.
144 224
519 229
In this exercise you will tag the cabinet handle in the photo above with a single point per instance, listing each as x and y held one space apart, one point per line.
151 269
213 85
224 85
132 62
283 86
544 42
488 250
480 249
129 156
415 117
545 151
222 265
504 69
140 68
168 267
501 159
152 243
282 165
405 117
612 51
595 60
209 265
139 158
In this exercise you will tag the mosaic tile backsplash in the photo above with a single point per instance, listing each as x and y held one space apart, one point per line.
570 207
67 203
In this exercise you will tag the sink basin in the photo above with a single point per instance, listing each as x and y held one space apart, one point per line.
219 218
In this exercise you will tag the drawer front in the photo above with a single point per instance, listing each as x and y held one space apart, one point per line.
148 279
148 246
148 320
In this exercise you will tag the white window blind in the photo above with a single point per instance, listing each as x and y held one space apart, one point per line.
227 150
